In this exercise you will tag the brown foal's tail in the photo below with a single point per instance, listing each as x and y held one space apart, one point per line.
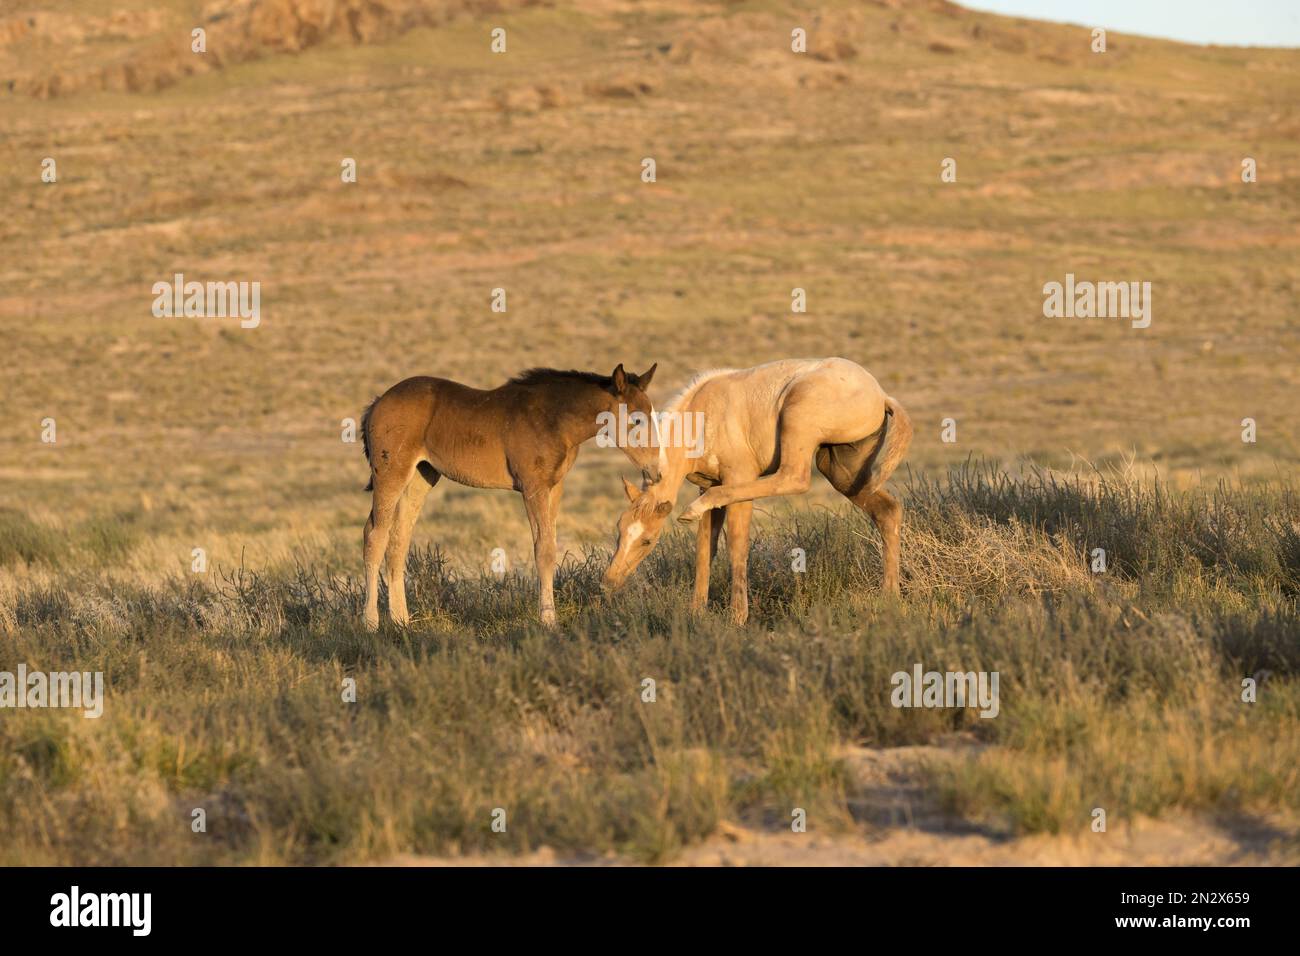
898 438
365 440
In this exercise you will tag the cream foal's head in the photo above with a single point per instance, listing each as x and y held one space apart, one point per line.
638 531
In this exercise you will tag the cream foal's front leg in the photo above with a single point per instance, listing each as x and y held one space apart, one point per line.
792 479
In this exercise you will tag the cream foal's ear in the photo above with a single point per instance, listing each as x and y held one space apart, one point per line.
633 492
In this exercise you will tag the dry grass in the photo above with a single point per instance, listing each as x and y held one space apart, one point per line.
521 171
1119 690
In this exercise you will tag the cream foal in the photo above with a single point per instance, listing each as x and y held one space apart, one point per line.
763 426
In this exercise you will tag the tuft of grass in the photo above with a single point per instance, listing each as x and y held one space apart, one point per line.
101 540
24 540
106 539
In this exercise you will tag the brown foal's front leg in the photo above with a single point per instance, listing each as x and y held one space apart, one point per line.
542 506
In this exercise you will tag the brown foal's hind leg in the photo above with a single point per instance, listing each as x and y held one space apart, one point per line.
738 517
399 540
847 468
706 546
388 490
543 507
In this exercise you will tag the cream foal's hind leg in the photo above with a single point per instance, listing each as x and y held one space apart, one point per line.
848 469
887 512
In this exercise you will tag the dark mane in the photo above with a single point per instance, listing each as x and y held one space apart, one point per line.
543 376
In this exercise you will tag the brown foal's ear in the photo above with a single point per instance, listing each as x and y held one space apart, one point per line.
633 492
663 508
620 379
643 380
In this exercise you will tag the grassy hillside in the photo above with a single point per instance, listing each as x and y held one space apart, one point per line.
522 171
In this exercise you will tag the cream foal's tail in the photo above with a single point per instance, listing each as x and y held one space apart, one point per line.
898 438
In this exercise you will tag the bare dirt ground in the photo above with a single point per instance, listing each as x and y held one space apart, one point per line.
901 826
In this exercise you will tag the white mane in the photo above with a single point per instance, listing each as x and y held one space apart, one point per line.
678 400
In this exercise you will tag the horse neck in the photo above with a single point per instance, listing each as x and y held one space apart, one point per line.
576 410
676 466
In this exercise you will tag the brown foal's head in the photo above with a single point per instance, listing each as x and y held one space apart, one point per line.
633 427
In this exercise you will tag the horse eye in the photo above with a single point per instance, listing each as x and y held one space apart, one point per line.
644 542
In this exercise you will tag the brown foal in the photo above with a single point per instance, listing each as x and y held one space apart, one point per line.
523 435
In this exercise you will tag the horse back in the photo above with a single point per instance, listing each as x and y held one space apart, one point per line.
458 429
